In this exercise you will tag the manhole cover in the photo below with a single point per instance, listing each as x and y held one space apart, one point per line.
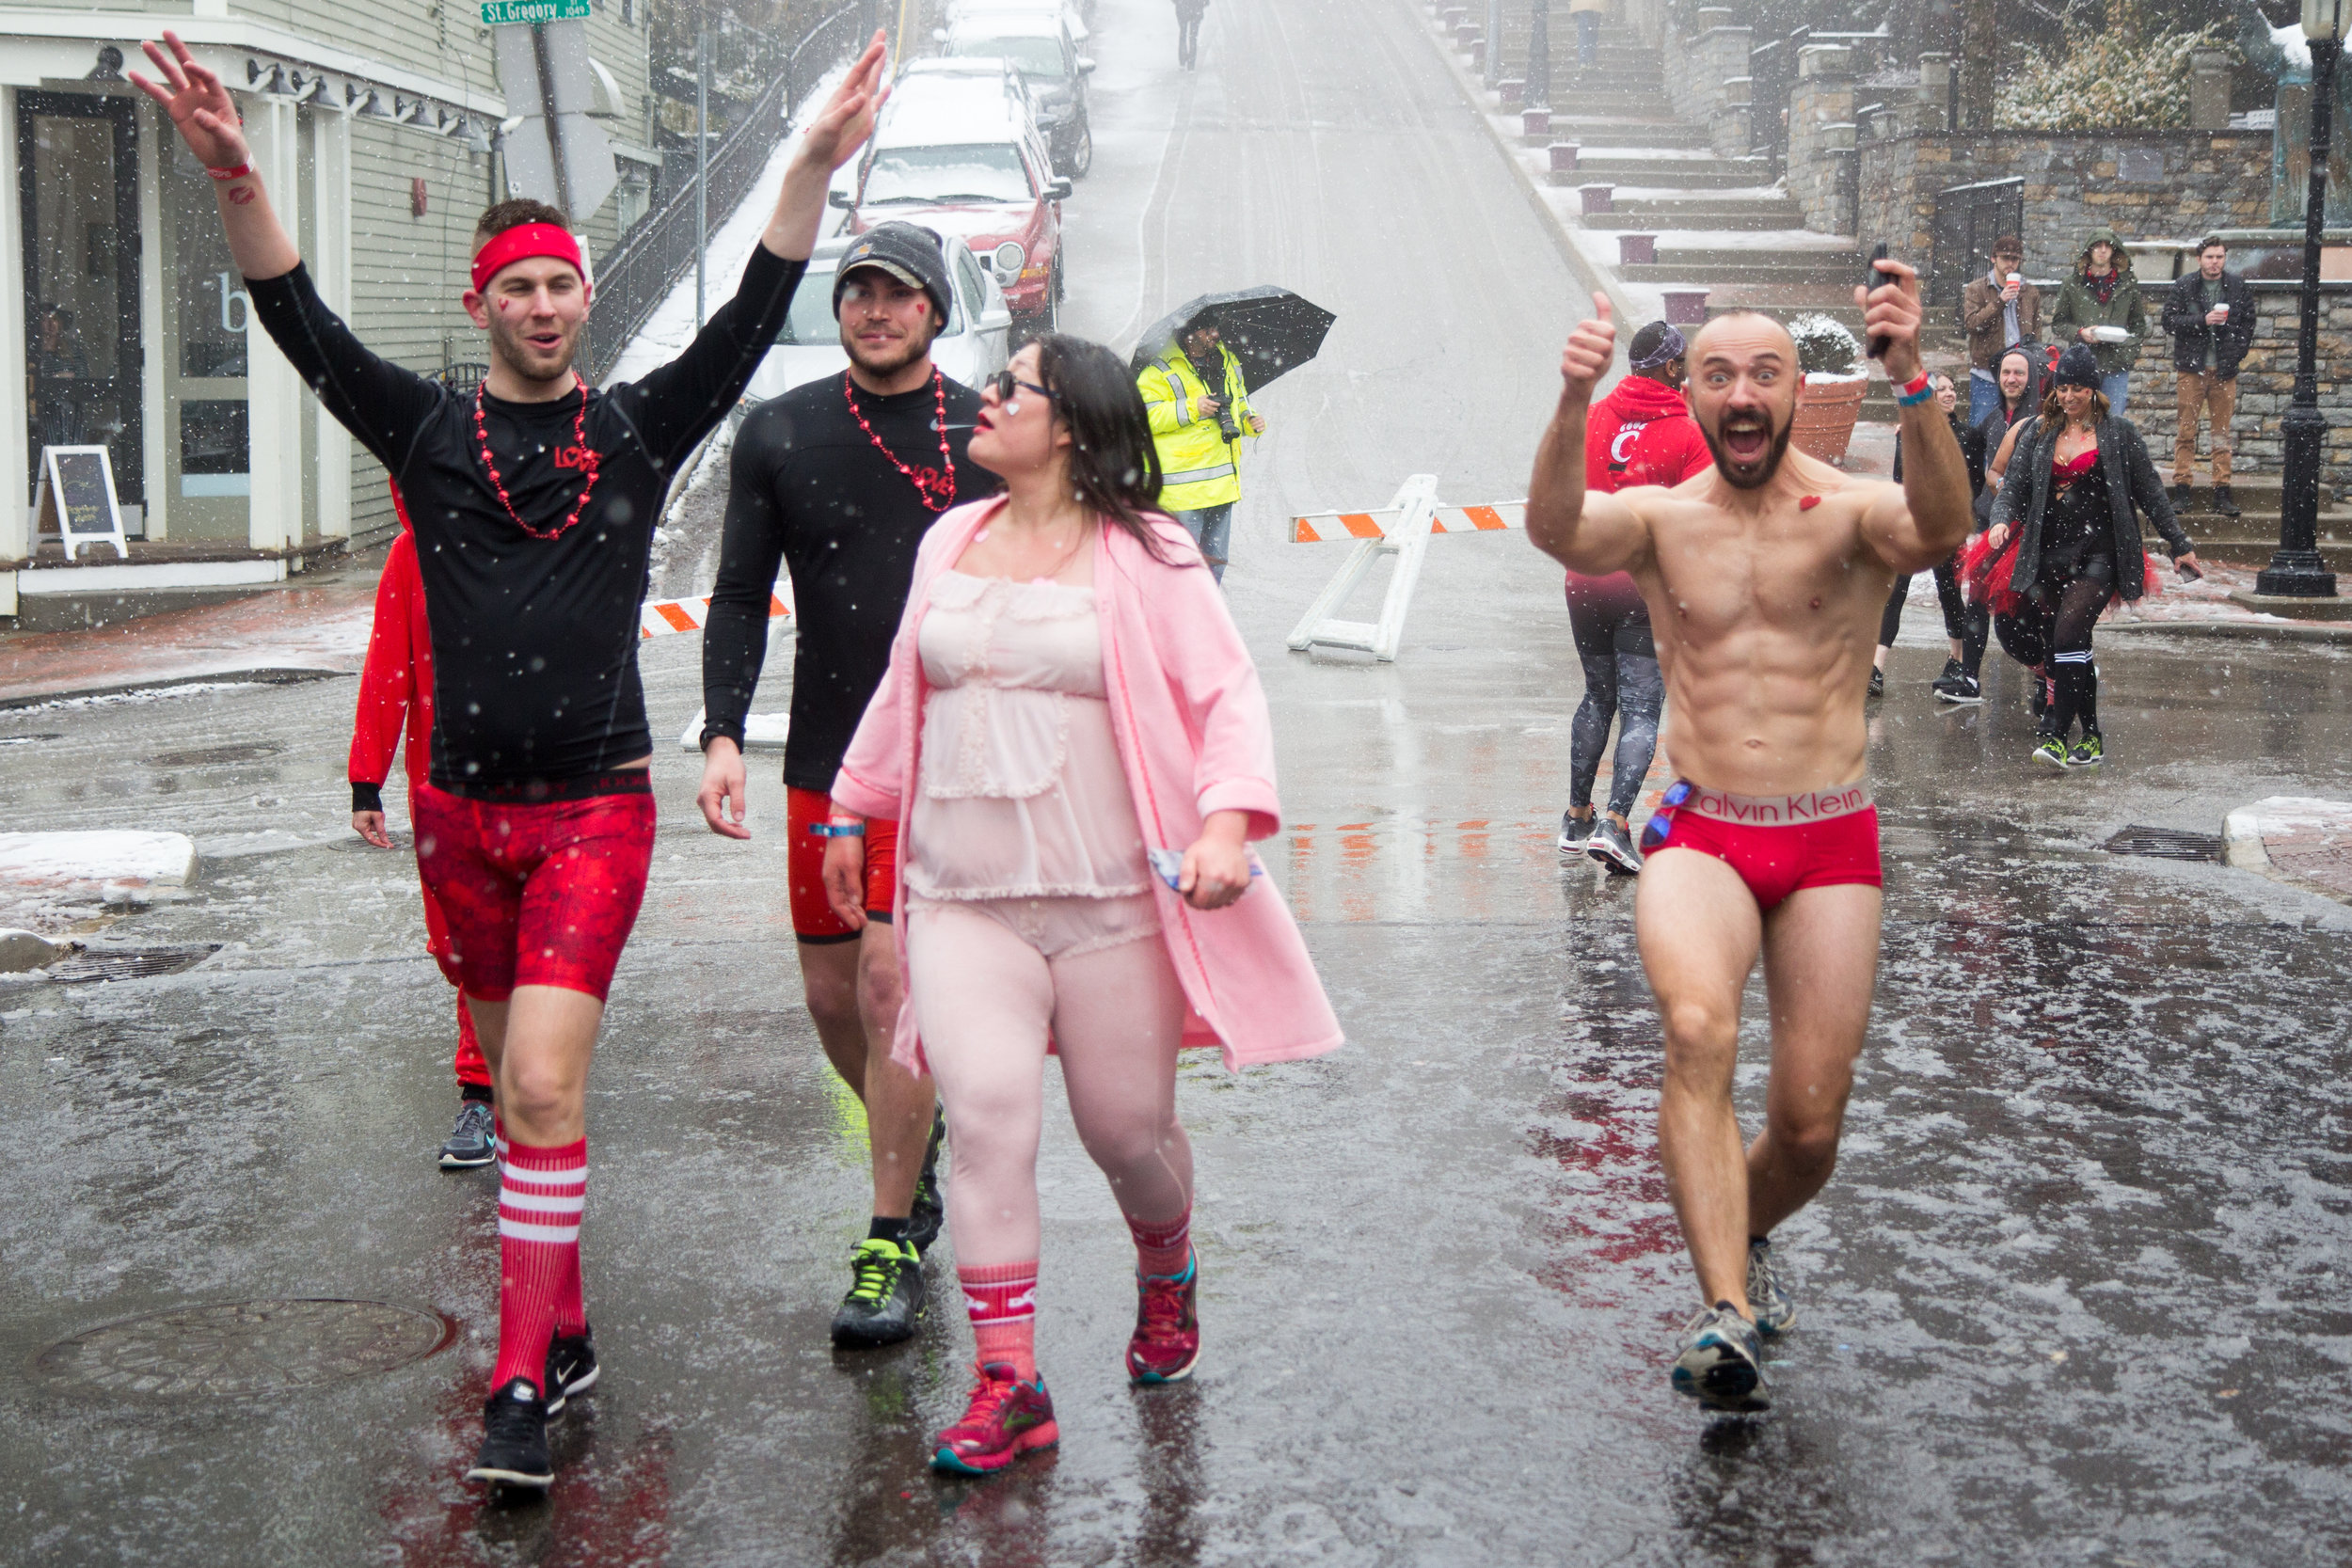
246 1347
206 756
2166 844
128 963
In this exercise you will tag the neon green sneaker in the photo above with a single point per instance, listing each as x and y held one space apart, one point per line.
2089 752
886 1301
2050 748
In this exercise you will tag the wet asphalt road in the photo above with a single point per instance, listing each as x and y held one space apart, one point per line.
2072 1297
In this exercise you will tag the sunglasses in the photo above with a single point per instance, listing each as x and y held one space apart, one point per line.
1004 384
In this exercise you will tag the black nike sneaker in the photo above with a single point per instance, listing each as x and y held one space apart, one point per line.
515 1439
1878 683
930 1209
571 1368
886 1301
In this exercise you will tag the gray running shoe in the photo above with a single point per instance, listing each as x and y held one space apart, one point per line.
1775 1314
1576 837
1612 846
1718 1362
470 1144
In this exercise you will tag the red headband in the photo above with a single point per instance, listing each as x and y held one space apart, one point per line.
521 244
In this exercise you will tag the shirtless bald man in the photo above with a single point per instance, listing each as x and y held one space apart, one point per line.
1764 577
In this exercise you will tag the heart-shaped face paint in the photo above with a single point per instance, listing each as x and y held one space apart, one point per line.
1808 503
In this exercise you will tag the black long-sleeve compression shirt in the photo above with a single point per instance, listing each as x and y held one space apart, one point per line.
812 490
535 641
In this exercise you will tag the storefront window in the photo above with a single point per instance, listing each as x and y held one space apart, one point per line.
78 164
210 321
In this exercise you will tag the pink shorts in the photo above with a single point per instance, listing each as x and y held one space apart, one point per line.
1778 844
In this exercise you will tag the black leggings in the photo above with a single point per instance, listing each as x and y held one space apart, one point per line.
1947 593
1622 682
2066 611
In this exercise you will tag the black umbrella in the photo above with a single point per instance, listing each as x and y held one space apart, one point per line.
1269 329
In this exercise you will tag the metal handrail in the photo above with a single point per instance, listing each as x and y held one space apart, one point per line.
634 279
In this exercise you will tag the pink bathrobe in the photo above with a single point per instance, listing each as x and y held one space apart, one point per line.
1192 729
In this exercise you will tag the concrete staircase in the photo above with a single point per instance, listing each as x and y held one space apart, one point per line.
1668 181
2247 539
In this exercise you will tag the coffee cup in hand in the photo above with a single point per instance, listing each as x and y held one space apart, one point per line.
2224 311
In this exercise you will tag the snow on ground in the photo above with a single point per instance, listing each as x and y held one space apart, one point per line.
1750 239
671 327
1684 193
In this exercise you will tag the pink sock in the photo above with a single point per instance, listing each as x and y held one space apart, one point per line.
1162 1249
1002 1300
541 1193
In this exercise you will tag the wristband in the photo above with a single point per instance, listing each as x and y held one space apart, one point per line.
225 175
836 829
1915 393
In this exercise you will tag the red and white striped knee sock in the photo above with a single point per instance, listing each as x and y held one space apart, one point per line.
541 1194
1162 1250
1002 1301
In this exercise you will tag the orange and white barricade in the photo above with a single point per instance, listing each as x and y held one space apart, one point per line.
762 732
1401 528
665 617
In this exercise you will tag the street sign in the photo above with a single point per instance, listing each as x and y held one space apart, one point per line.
501 13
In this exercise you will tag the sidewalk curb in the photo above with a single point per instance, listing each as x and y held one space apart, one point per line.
270 675
1590 275
2289 631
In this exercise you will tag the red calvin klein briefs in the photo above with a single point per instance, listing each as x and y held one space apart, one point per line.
539 893
1779 845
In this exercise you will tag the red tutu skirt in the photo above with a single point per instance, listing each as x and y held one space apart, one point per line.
1985 573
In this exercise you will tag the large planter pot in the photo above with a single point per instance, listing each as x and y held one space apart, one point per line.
1825 418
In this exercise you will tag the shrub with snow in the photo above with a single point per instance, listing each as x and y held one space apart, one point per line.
2119 80
1825 350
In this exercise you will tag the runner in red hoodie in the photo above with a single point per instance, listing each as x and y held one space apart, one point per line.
396 696
1641 433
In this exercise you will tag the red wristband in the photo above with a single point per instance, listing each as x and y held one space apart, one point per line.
1917 388
227 174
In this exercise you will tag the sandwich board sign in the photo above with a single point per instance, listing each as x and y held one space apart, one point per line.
76 498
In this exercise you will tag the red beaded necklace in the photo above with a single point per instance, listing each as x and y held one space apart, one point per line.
587 458
937 486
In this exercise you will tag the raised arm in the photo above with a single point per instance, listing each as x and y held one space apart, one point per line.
675 406
831 140
1926 520
1588 532
207 119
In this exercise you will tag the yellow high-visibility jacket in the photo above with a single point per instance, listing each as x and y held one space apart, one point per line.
1200 464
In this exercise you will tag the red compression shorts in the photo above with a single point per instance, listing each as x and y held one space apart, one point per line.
1778 844
813 920
539 893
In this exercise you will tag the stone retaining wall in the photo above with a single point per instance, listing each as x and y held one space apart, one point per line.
2176 185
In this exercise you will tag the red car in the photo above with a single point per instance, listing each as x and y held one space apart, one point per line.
958 151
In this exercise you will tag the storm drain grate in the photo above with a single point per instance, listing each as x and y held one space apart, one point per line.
246 1347
2165 844
128 963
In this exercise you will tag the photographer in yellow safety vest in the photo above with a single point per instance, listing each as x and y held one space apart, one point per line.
1199 434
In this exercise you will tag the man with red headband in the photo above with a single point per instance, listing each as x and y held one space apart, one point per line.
534 502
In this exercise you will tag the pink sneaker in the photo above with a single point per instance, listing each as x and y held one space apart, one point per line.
1166 1340
1007 1419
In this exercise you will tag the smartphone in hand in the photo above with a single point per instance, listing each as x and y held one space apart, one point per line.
1168 864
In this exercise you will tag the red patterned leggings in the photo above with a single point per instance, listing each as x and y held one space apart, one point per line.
537 893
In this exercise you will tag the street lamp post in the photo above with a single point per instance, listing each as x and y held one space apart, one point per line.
2297 570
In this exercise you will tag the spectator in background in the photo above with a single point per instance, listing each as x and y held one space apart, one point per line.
1199 411
1587 14
1947 582
2100 307
2211 317
1188 15
1999 309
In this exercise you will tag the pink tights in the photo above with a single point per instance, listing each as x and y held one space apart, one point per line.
989 980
